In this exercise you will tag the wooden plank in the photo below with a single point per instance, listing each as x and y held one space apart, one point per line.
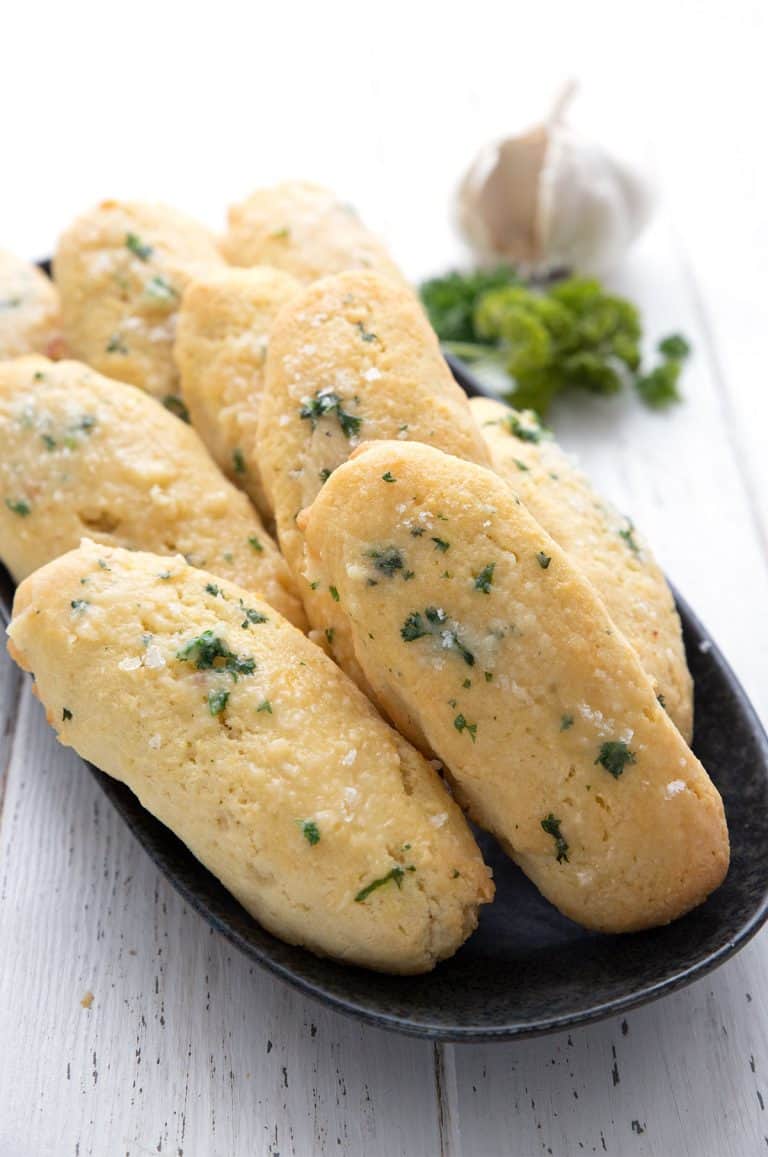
688 1075
186 1048
10 688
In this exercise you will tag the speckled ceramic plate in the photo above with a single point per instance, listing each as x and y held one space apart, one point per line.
527 969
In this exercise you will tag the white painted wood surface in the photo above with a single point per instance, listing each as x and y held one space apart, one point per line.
186 1049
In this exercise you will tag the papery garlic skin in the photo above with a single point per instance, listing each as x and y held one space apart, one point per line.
552 197
498 202
591 206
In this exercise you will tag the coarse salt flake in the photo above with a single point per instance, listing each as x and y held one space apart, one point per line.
154 657
129 663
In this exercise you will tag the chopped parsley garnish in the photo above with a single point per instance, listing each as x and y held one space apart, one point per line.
137 247
484 580
552 827
614 756
18 506
467 683
461 724
432 623
441 544
543 559
628 534
334 594
661 700
395 874
520 464
566 722
388 477
488 676
48 441
310 832
417 531
102 564
238 462
176 406
365 334
266 706
79 606
212 589
255 544
65 714
325 474
329 633
209 652
327 402
528 431
251 616
387 561
115 345
160 289
217 701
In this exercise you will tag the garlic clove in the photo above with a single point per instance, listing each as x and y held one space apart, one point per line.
591 206
551 196
498 199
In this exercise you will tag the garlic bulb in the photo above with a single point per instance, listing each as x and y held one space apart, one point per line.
552 197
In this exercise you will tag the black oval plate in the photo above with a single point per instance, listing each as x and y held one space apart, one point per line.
527 970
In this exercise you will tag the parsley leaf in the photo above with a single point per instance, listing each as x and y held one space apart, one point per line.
614 756
433 623
310 831
137 247
547 335
461 724
387 561
210 652
176 406
484 580
18 506
396 874
552 827
326 402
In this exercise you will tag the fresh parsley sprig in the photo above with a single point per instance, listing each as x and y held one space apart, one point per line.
539 338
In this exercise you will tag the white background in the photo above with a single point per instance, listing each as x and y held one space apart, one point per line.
186 1049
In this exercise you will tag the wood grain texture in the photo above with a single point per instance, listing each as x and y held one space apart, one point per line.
186 1048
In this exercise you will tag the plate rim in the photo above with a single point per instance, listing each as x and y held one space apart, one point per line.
474 1034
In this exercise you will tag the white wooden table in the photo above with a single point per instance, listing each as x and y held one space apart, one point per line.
126 1026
